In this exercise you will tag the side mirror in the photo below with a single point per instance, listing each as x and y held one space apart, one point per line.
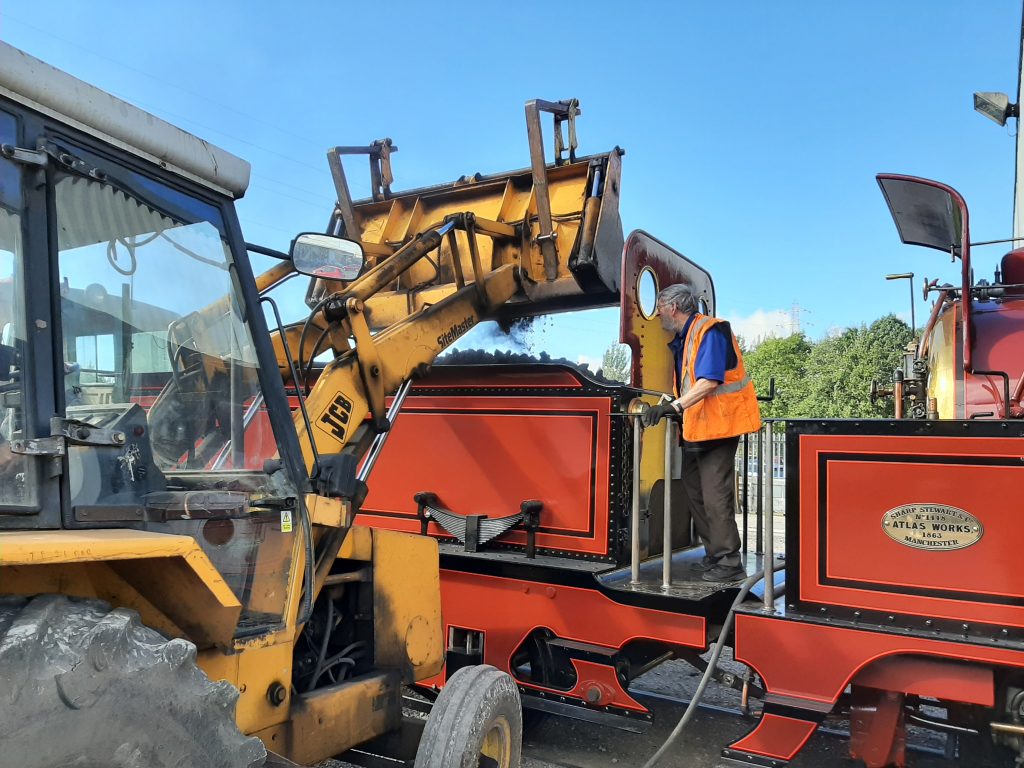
327 257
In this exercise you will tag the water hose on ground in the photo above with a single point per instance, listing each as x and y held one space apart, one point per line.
691 709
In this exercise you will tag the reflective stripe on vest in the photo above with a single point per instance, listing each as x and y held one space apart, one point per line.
695 328
731 407
736 386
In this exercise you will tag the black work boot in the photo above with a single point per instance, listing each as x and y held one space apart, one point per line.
725 573
704 564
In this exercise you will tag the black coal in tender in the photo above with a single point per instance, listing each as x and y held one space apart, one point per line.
483 357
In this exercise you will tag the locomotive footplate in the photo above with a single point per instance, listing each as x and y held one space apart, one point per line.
890 661
686 581
688 593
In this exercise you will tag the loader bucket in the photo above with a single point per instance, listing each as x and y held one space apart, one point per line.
556 223
586 229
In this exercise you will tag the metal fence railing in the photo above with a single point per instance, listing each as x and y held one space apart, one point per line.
758 487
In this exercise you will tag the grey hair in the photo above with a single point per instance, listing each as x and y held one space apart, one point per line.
681 297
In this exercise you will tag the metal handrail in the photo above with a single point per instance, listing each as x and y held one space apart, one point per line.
768 468
765 495
634 552
666 567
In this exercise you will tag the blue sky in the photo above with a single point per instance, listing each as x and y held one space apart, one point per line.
752 130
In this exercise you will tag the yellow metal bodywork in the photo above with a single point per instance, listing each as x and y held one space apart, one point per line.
408 646
339 401
168 579
657 377
505 207
408 632
358 544
172 583
173 586
942 363
253 670
331 720
332 513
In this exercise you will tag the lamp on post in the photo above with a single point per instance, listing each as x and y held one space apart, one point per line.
908 276
995 106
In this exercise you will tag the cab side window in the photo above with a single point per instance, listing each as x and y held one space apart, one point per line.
17 486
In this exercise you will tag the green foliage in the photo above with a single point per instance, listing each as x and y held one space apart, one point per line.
615 364
830 378
785 360
742 343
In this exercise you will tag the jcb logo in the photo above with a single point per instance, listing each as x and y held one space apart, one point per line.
335 419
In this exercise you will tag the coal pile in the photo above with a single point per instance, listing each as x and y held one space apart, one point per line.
483 357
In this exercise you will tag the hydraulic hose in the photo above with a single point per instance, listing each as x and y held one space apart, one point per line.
310 576
691 709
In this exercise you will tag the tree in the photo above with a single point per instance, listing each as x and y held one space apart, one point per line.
616 363
882 353
831 387
785 361
840 370
830 378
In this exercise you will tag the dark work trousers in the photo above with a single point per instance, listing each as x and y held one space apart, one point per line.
709 479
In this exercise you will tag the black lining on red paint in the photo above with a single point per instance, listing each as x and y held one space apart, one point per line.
822 476
592 501
882 428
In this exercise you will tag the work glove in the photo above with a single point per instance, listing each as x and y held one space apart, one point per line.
656 413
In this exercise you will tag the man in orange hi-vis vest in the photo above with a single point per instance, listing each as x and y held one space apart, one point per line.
715 398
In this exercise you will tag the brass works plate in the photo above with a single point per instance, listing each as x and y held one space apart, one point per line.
932 526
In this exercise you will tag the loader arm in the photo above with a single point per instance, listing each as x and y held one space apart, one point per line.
440 260
354 385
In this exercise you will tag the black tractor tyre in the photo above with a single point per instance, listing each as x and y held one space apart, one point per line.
84 686
476 722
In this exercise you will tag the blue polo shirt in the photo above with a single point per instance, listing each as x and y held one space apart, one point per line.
715 354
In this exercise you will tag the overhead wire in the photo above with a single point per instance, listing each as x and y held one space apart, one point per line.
150 75
195 123
264 181
250 224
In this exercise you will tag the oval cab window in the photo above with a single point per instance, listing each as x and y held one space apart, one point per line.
647 292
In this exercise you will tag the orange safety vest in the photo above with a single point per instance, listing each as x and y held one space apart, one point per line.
728 410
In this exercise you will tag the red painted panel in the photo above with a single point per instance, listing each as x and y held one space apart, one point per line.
602 680
879 573
878 734
854 525
776 736
931 678
508 610
998 336
260 443
485 455
779 651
